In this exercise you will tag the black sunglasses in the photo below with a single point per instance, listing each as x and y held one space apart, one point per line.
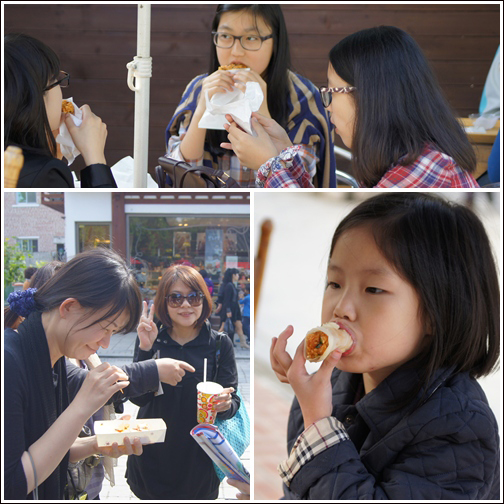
175 300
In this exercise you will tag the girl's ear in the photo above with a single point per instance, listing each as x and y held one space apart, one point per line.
69 307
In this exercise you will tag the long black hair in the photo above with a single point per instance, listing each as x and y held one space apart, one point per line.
98 278
443 251
29 66
399 104
275 74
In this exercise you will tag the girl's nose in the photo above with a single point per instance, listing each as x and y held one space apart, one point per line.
237 47
105 341
345 307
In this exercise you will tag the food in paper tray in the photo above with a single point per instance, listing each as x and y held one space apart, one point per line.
233 66
149 430
322 340
67 107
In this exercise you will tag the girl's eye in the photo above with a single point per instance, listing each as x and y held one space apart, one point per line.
374 290
252 38
332 285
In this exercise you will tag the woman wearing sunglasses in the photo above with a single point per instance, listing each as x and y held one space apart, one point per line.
32 108
256 37
178 469
388 109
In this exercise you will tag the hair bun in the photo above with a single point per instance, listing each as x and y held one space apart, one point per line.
22 302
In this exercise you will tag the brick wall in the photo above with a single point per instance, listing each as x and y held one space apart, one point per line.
33 221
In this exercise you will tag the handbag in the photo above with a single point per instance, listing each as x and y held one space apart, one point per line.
236 430
179 174
229 327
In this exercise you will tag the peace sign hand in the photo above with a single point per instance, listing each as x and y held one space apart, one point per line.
147 329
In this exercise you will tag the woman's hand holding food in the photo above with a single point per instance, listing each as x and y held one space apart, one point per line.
223 401
218 82
241 78
172 371
116 450
89 137
278 135
243 487
313 391
99 386
147 329
251 151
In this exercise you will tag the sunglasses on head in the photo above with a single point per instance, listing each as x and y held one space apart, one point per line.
193 298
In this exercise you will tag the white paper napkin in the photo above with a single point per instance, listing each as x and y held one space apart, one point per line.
236 103
68 149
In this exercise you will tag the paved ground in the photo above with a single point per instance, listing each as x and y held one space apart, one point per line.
120 351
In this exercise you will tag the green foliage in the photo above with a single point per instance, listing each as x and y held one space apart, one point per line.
14 263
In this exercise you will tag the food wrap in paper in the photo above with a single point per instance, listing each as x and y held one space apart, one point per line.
68 149
236 103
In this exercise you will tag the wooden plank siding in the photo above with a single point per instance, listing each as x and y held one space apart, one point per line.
94 43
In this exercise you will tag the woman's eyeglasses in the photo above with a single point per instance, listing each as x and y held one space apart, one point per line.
248 42
175 300
62 81
326 93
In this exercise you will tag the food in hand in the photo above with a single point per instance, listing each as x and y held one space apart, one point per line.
67 107
233 66
322 340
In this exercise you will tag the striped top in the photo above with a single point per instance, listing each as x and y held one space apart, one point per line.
307 126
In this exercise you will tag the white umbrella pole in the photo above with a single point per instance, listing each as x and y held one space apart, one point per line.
140 69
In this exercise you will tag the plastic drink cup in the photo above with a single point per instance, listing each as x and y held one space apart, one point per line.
207 393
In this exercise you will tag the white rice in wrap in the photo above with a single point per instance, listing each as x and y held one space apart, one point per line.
321 341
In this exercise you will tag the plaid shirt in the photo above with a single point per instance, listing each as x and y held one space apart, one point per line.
318 437
431 169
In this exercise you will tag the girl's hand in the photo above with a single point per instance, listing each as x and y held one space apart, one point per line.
127 448
147 329
218 82
99 386
251 151
223 401
241 78
314 392
89 137
278 135
279 358
171 371
242 486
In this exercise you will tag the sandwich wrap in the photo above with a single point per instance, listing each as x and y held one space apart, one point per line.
321 341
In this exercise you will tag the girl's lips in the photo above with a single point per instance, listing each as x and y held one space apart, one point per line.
345 328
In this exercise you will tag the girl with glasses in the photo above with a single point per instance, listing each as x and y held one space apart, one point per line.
387 107
32 108
256 37
413 281
177 469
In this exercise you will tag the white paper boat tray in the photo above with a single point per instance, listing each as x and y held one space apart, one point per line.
151 430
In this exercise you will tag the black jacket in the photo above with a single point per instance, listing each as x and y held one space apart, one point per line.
444 448
47 171
179 469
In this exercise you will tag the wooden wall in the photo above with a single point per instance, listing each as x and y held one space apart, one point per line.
94 43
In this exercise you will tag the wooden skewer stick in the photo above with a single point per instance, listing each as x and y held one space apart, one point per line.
260 260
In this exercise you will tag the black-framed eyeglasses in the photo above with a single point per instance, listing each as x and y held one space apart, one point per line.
62 81
175 299
248 42
326 93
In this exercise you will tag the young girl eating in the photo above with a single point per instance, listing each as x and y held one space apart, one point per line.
387 107
255 37
413 281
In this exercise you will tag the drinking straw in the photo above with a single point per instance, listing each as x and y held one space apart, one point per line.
204 370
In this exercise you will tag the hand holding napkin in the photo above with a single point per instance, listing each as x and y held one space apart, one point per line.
68 149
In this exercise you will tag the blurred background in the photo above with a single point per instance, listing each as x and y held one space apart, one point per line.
291 293
95 42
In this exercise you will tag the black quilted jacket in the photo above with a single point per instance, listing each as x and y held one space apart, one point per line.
445 448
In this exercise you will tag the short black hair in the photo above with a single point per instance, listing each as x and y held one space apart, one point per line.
29 272
442 249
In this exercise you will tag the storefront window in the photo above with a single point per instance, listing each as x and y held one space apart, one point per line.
92 236
204 242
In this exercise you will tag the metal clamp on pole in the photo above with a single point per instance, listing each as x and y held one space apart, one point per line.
139 67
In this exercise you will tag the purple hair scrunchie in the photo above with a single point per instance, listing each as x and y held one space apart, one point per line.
22 302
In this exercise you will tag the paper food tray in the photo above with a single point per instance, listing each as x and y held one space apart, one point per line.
106 432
